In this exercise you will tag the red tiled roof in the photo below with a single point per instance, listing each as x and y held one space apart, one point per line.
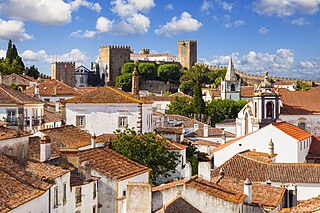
52 87
212 132
292 130
308 206
112 164
300 102
259 168
247 91
230 142
314 150
11 96
106 95
179 205
7 133
169 130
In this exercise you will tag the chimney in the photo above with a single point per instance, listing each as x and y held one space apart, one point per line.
195 127
204 170
57 106
269 182
139 197
135 83
271 147
55 89
93 141
247 190
205 130
223 136
45 148
0 77
85 170
188 171
36 91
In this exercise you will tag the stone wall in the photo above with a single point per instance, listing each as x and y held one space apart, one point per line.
64 72
187 53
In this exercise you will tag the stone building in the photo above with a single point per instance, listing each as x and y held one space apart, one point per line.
187 53
64 72
230 86
112 58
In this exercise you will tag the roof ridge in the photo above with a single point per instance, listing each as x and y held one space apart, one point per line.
124 95
10 94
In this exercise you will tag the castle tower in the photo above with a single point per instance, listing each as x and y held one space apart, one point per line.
230 86
112 58
135 83
187 53
64 72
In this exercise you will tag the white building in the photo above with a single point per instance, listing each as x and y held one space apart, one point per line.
18 110
230 86
291 86
108 109
144 55
291 144
51 90
301 179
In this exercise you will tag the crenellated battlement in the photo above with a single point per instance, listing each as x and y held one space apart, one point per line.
65 62
180 41
115 47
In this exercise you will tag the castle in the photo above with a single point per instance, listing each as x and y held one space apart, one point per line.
64 72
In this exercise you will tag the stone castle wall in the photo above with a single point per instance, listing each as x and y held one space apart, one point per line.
64 72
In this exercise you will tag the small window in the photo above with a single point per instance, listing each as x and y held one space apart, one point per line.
55 201
123 121
124 193
300 146
94 209
233 87
78 196
94 190
80 120
11 115
64 193
47 100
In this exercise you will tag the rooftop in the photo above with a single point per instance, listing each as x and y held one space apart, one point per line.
106 95
52 87
169 130
52 116
179 205
314 150
247 91
112 164
292 130
7 133
11 96
259 168
308 206
212 132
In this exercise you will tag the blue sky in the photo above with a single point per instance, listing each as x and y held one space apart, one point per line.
281 36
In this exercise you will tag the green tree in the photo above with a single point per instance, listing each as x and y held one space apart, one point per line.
169 72
198 103
180 106
13 62
147 71
128 67
186 86
125 82
147 149
218 110
33 72
302 86
15 87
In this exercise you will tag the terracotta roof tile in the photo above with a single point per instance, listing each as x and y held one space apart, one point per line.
169 185
105 137
247 91
84 90
112 164
212 132
7 133
205 143
314 150
229 142
106 95
308 206
179 205
34 149
169 130
21 183
11 96
292 130
300 102
69 136
52 87
245 165
52 116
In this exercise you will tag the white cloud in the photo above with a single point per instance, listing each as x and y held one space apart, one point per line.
3 53
225 5
236 23
285 7
300 22
76 34
263 30
179 25
83 3
31 56
103 24
307 65
205 6
14 30
90 34
169 6
50 12
125 8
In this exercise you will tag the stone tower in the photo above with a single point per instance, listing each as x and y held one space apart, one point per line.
230 86
112 58
187 53
64 72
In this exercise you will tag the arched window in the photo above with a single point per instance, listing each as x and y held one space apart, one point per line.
269 109
233 87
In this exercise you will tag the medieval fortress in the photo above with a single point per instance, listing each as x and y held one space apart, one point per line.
112 57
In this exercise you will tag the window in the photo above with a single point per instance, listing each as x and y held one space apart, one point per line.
47 100
94 209
55 198
233 87
269 109
94 190
80 120
11 115
64 193
124 193
78 196
123 121
255 109
300 146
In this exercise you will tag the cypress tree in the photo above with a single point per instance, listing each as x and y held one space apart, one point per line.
197 101
9 52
